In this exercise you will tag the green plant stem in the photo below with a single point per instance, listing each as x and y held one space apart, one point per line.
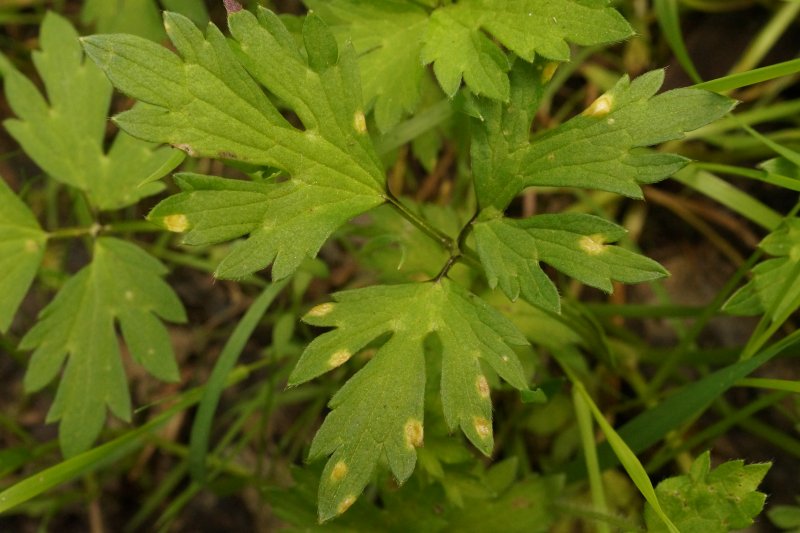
125 226
420 223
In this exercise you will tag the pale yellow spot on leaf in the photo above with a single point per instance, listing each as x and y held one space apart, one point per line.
31 246
321 310
339 471
482 426
549 70
592 244
129 295
482 385
414 433
600 107
176 223
360 122
345 504
338 358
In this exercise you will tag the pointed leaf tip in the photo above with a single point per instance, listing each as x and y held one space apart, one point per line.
232 6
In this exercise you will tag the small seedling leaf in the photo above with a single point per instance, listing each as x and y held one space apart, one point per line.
710 501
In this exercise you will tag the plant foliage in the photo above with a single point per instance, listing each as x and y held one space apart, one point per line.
304 108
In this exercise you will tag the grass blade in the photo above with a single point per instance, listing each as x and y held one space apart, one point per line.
201 428
669 21
651 426
751 77
100 456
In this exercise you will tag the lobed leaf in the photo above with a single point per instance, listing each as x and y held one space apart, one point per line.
380 410
710 501
576 244
459 49
601 149
285 222
774 289
206 101
64 132
387 36
121 285
22 244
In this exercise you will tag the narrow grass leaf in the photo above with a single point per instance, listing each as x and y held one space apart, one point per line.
751 77
201 427
627 459
669 21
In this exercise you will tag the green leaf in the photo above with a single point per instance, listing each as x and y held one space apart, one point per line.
576 244
458 49
121 285
138 17
710 501
457 46
387 36
600 149
380 410
526 507
64 133
22 243
774 289
206 103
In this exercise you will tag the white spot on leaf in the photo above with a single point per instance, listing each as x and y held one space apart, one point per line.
482 385
345 504
600 107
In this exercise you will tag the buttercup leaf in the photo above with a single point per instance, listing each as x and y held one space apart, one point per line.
206 102
64 133
122 285
380 410
713 501
22 244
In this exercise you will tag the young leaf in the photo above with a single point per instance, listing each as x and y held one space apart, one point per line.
380 410
600 149
122 284
387 36
206 103
710 501
510 251
458 48
775 287
64 134
22 243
